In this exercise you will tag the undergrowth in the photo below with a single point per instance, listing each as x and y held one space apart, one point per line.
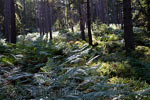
67 68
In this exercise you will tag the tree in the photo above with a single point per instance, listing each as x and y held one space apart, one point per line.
13 22
82 26
114 11
0 30
10 21
128 27
7 20
49 6
148 13
89 22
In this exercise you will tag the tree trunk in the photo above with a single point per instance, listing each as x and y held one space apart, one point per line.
7 20
0 31
36 13
114 12
82 26
0 28
128 27
102 11
39 17
89 22
13 23
148 11
50 20
106 12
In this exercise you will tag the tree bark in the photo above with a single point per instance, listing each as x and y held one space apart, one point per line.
89 22
0 28
148 11
106 12
0 31
7 14
102 12
114 12
128 27
50 20
82 26
13 23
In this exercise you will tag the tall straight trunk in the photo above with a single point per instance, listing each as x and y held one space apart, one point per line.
117 12
114 12
82 26
0 28
97 9
128 27
36 13
39 6
13 23
106 12
7 14
84 14
89 22
92 10
121 18
99 13
44 17
102 12
148 13
0 31
41 17
50 19
46 21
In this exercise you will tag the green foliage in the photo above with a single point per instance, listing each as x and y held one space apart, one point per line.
3 48
8 60
112 47
99 28
116 69
141 38
70 69
110 37
63 31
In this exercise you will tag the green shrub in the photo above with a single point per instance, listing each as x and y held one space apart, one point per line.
135 85
120 69
113 46
63 31
110 37
8 60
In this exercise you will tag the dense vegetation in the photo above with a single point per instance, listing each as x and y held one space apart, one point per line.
74 50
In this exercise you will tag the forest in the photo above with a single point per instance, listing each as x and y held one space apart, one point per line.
74 49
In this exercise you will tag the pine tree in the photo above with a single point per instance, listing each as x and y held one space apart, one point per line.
128 27
82 26
89 22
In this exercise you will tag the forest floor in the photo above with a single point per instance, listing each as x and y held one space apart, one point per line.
67 68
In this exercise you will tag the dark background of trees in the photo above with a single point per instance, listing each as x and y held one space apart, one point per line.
48 15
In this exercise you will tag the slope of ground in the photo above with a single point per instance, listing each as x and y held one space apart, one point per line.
68 69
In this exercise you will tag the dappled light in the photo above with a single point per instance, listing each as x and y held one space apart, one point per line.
74 50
